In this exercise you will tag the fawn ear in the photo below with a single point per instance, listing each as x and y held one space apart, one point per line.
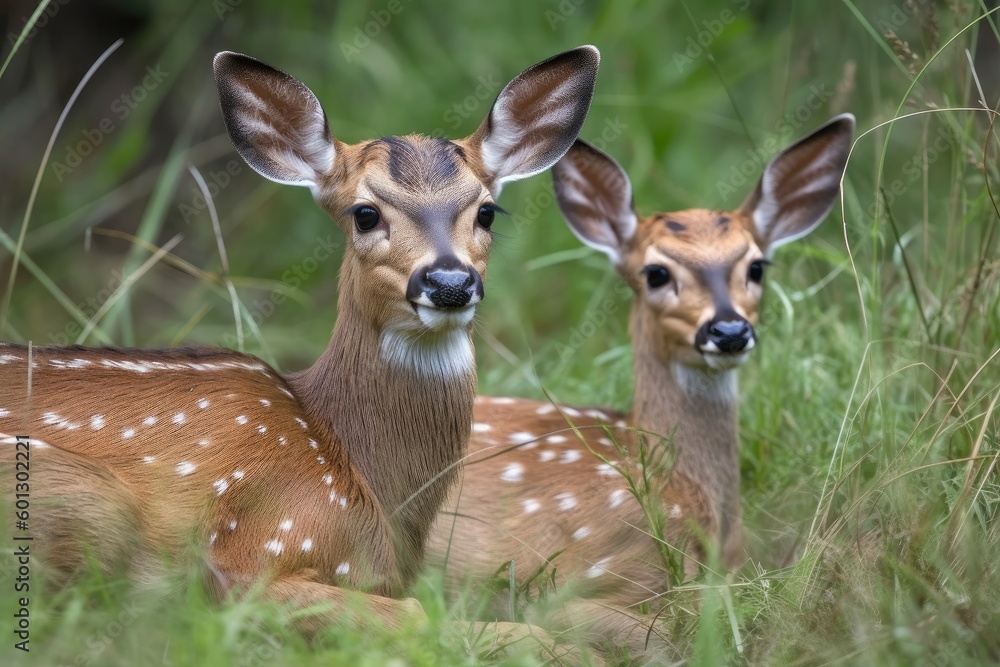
595 197
536 117
800 184
274 120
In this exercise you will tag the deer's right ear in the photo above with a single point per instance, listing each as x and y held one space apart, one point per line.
595 197
537 116
274 120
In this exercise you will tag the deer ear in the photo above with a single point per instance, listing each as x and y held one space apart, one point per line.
537 116
274 120
800 184
595 197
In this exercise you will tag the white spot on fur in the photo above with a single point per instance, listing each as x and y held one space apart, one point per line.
328 479
241 419
607 470
211 538
513 473
238 474
72 363
96 421
581 533
302 422
531 505
570 456
556 439
179 418
203 403
128 433
571 412
343 568
285 525
52 419
521 437
546 455
7 358
675 512
597 414
545 409
503 400
149 421
203 443
266 403
220 486
282 440
481 428
321 460
307 545
275 547
185 468
598 568
284 391
261 428
232 525
607 442
148 459
313 444
566 501
617 497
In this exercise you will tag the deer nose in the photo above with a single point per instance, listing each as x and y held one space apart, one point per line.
446 285
730 336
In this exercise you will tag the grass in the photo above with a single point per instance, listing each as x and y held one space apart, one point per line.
869 414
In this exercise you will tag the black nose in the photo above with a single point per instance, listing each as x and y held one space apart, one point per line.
730 336
446 284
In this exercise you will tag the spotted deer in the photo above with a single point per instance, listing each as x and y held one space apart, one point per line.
327 480
545 479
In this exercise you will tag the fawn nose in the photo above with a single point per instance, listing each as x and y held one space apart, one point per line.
447 284
728 336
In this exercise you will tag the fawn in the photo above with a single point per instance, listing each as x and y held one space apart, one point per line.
545 479
328 479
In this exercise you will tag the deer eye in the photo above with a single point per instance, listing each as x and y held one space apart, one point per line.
366 218
486 214
656 275
755 273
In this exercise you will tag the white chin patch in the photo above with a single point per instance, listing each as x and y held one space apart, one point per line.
440 319
725 362
442 354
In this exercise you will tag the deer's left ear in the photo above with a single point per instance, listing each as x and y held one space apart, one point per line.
800 184
536 117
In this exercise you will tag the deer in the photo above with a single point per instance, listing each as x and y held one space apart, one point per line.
547 486
317 487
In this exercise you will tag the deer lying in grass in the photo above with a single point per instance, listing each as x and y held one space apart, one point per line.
544 479
328 479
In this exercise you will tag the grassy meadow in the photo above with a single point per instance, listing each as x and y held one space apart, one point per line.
869 411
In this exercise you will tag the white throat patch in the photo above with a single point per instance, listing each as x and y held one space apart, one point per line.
444 354
718 386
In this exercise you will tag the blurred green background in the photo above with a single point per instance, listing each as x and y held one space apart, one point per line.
874 380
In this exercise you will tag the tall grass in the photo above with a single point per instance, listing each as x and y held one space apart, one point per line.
869 413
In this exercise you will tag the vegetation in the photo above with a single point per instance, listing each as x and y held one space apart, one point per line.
869 413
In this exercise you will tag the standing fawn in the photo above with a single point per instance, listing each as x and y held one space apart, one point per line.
327 479
543 479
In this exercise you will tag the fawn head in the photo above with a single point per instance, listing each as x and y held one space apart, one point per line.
416 210
698 274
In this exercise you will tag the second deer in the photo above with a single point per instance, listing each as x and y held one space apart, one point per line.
544 479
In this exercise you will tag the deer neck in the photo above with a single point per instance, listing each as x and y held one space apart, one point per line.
698 407
402 409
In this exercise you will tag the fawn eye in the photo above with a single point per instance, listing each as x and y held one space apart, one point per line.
486 214
366 218
756 271
656 275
